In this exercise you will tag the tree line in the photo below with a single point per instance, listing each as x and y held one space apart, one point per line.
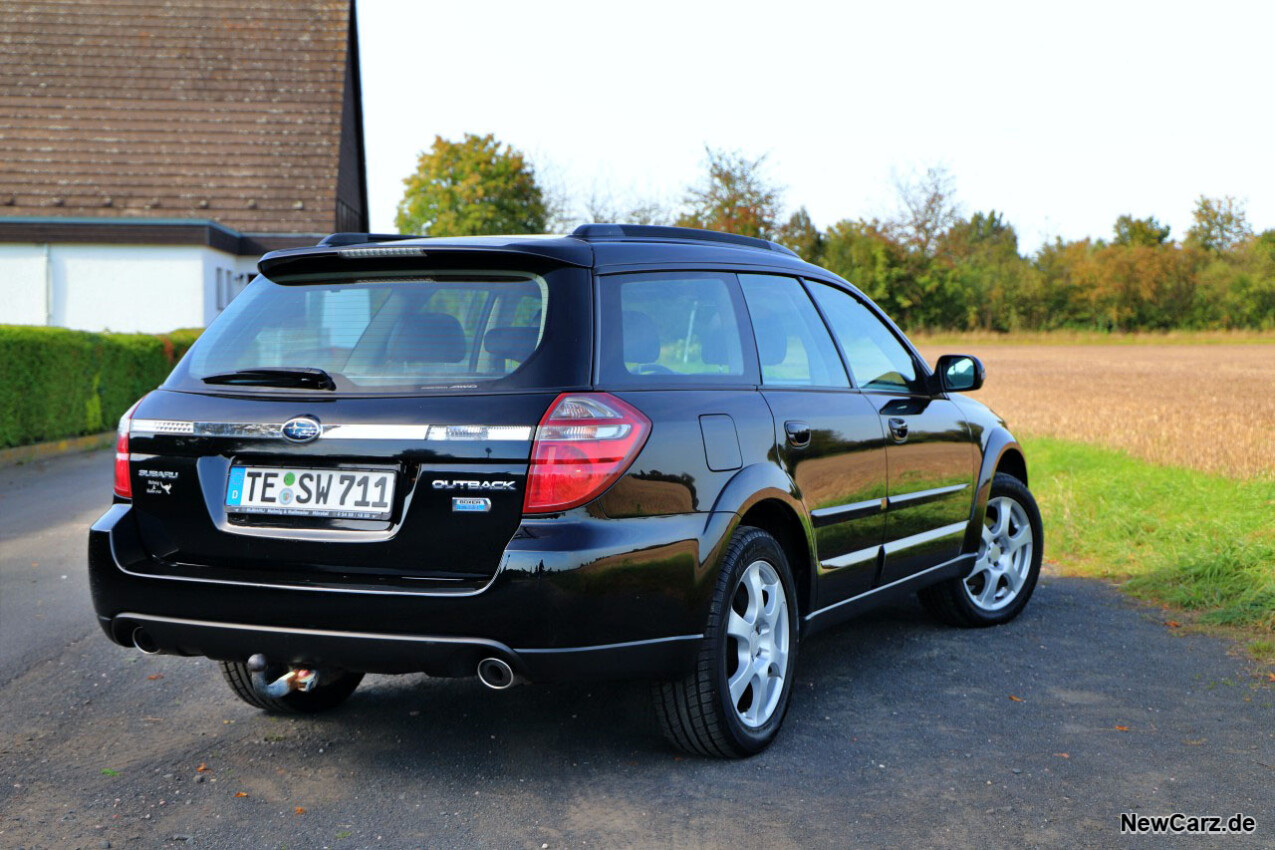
929 265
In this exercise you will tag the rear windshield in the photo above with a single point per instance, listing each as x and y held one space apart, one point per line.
443 331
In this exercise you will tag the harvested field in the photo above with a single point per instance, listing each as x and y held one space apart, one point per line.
1208 407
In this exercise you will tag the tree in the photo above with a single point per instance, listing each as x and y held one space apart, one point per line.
1140 231
801 235
472 187
994 287
603 207
867 254
1220 224
735 197
928 209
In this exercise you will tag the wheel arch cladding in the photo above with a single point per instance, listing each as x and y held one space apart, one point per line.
782 522
1001 453
1013 463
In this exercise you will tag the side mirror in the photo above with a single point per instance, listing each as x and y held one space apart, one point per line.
959 373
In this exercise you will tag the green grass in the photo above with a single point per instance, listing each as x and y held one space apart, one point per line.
1199 542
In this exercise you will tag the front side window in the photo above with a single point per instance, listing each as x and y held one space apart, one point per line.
878 360
792 343
671 327
431 331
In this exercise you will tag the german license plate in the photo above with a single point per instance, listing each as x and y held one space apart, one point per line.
340 493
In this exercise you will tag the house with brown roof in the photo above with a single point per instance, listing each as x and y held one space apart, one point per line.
151 151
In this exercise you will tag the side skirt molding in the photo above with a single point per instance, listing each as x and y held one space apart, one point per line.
846 608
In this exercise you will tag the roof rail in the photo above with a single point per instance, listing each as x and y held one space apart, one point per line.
336 240
617 232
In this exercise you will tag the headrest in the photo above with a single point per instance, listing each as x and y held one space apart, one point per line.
428 338
715 347
641 338
511 343
772 338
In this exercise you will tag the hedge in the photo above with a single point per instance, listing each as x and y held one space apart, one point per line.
57 383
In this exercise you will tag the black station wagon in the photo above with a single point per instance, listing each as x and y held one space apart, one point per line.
628 452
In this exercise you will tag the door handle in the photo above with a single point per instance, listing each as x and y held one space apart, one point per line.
898 429
798 433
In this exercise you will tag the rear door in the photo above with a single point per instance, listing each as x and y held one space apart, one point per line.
407 471
829 437
929 450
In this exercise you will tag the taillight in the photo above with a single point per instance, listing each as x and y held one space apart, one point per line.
584 443
123 482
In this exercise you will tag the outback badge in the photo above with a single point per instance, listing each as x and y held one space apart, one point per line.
302 429
470 504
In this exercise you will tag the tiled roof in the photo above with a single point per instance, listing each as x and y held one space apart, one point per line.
229 110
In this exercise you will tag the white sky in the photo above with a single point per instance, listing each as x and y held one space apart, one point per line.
1062 115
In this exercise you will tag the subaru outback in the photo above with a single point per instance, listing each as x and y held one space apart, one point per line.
633 451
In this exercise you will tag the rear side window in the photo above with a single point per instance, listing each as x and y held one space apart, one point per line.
445 330
792 343
672 328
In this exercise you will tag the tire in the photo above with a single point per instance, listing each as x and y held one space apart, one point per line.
332 690
1004 575
752 622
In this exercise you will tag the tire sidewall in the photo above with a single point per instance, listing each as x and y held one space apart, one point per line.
758 546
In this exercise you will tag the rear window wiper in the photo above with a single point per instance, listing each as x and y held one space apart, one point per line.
276 376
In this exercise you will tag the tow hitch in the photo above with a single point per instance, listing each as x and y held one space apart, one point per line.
296 679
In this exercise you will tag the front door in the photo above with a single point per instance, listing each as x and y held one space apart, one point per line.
931 491
930 453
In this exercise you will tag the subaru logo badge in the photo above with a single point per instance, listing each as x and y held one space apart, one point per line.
302 429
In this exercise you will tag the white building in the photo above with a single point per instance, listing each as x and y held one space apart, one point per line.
150 153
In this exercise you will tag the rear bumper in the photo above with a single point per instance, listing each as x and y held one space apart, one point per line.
574 598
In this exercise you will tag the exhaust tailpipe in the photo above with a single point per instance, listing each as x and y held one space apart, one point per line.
496 674
144 642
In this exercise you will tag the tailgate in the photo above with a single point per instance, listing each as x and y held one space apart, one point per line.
404 491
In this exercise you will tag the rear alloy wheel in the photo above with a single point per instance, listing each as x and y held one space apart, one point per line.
735 701
334 688
1008 563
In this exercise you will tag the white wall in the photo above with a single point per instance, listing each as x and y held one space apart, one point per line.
225 276
23 297
127 288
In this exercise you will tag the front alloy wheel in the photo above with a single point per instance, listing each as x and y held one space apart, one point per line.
1004 556
1006 567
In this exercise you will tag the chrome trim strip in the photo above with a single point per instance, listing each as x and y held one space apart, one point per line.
850 559
867 593
160 426
926 495
206 429
864 555
605 646
337 431
841 513
926 537
518 433
356 431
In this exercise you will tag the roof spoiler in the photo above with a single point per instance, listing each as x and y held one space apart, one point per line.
363 247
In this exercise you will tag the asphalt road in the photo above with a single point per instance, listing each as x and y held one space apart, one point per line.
903 734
